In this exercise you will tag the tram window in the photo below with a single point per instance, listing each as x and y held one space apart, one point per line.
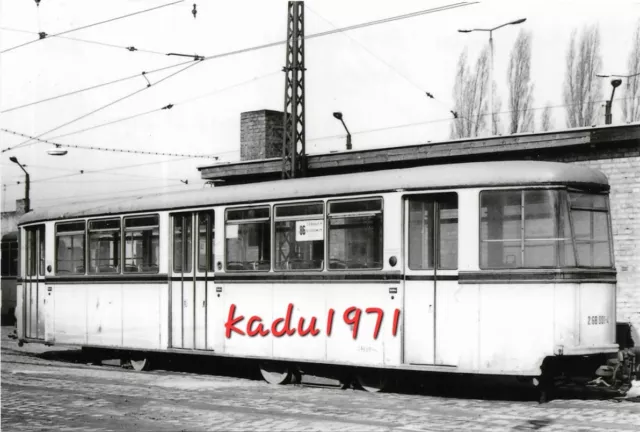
299 241
248 240
525 229
104 246
182 253
355 234
141 244
41 251
591 227
10 258
206 241
422 223
31 269
70 240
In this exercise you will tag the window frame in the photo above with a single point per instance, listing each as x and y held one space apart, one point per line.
210 235
84 247
328 215
607 211
275 219
567 204
7 255
437 198
120 218
124 241
227 222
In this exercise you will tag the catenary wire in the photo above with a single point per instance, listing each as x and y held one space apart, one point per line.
93 25
269 45
130 48
448 119
31 140
383 61
85 147
325 33
73 92
168 106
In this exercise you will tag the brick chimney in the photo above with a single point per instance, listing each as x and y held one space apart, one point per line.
261 134
21 206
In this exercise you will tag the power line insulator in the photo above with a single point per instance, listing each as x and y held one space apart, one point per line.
194 11
429 95
42 35
168 107
455 114
132 48
37 3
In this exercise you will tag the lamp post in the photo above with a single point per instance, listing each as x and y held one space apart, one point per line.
338 115
491 30
615 83
27 205
607 107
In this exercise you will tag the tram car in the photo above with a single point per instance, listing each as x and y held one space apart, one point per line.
9 275
500 268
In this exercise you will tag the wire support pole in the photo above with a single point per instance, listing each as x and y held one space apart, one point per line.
293 146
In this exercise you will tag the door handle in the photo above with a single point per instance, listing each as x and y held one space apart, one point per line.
185 303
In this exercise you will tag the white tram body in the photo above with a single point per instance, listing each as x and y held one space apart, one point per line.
475 268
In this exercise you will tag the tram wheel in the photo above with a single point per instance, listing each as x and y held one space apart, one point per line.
139 363
371 381
276 373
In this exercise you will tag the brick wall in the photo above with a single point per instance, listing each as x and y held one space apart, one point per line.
621 164
261 135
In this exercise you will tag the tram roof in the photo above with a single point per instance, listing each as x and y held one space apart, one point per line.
452 176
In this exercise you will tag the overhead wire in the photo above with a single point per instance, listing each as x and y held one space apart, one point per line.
420 123
264 46
31 140
166 107
107 149
386 63
129 48
137 75
93 25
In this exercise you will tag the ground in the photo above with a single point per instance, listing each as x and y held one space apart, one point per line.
55 388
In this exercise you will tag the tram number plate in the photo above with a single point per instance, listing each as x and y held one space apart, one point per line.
597 319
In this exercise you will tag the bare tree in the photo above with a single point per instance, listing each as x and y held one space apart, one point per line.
582 89
546 123
470 96
497 105
520 85
631 106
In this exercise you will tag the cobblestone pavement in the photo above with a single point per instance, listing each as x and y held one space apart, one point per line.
50 389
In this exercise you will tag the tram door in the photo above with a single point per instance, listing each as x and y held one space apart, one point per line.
431 260
191 264
34 287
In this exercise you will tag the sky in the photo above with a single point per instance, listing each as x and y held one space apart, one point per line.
376 76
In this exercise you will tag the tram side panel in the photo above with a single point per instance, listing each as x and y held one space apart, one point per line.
109 315
260 306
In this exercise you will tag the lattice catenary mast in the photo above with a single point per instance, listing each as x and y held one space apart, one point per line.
294 161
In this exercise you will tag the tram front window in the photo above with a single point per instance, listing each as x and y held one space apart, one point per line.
532 229
591 227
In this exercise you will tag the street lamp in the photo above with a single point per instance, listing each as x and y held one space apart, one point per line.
491 30
338 115
607 108
26 184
